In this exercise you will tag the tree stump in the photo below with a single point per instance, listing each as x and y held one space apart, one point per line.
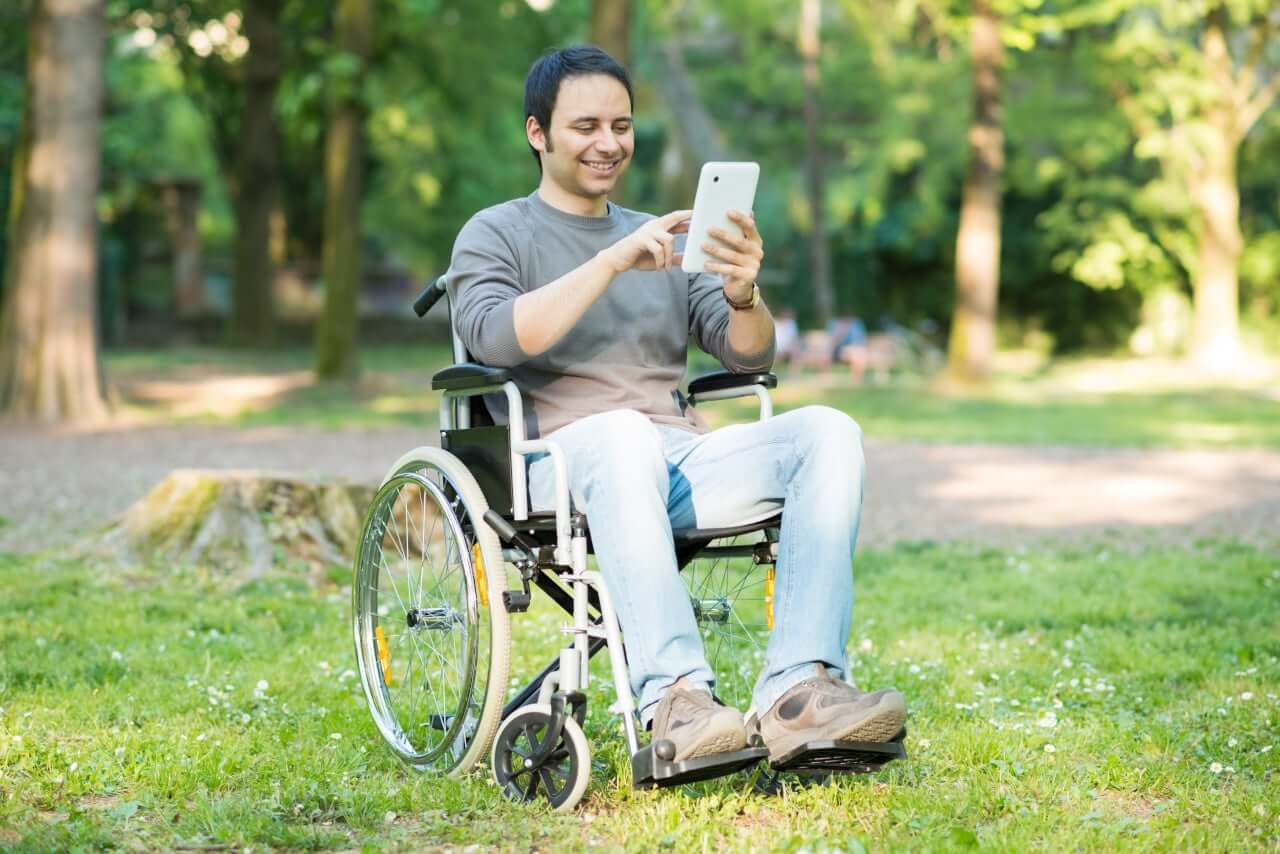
240 523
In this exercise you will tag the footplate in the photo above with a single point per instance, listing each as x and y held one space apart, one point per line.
648 771
850 757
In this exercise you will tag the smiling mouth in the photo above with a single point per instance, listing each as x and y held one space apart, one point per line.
603 167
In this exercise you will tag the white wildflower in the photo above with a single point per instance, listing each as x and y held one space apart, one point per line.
116 656
336 736
1047 721
1215 767
1232 742
915 668
1247 695
74 766
1049 748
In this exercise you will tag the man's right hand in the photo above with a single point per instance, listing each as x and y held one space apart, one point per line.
649 247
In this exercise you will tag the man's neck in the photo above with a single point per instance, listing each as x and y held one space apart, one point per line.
555 196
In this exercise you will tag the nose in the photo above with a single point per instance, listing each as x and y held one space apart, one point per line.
608 142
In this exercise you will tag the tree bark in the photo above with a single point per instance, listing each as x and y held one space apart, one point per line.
344 153
819 249
973 324
256 179
240 523
611 28
49 365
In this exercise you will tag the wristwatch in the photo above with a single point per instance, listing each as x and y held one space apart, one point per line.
749 304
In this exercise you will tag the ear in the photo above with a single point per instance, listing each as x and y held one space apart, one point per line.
536 137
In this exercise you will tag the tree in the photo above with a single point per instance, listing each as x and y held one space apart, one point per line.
972 342
1196 78
49 366
344 153
611 28
819 250
257 180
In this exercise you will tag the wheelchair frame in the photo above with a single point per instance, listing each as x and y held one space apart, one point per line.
563 558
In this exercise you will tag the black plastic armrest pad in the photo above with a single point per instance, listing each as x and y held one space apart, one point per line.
727 379
468 375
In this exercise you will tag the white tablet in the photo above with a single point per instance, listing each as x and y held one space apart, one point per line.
722 187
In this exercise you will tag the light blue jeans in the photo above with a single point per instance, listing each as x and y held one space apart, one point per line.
636 481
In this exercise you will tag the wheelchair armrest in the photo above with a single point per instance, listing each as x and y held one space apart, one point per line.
721 380
468 375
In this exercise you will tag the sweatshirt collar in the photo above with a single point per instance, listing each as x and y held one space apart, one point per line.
601 223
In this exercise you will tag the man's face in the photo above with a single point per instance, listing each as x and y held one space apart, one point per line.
591 137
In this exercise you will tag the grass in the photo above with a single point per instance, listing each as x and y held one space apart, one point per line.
1085 699
1081 402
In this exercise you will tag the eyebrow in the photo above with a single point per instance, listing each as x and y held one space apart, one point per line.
580 119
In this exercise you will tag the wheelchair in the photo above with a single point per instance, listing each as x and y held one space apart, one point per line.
450 553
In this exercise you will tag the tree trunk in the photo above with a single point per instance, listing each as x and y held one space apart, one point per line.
49 366
1216 336
239 523
695 139
973 325
256 181
611 28
182 220
344 153
819 250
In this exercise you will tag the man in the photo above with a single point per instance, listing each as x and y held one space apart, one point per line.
586 304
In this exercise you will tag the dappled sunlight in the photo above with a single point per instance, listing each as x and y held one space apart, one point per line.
995 487
225 396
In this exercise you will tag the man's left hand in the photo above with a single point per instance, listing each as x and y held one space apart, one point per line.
738 257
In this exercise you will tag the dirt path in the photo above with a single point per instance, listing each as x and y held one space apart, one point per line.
56 485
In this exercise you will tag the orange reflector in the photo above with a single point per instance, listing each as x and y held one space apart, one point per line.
481 586
768 597
384 654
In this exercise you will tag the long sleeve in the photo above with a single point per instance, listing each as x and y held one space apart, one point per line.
709 326
484 275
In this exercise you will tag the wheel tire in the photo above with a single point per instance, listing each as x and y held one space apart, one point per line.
561 779
729 595
448 638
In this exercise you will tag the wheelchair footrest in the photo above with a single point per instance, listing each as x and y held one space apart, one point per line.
648 771
850 757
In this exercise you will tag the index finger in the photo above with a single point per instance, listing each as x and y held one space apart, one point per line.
746 220
674 217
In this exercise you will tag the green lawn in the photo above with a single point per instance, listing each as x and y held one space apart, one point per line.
1061 700
1097 403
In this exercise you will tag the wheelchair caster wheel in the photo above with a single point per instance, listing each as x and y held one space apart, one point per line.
526 765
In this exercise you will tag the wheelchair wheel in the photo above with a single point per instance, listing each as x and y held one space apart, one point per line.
561 777
431 632
732 598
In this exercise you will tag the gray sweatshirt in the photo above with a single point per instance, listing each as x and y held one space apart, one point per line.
627 352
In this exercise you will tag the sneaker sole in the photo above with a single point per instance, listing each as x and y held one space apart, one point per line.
883 724
725 742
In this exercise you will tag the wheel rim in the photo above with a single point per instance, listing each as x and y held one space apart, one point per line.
728 596
517 741
422 635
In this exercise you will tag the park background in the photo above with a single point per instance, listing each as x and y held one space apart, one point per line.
1066 215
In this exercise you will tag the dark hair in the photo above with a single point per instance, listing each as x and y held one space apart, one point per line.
546 74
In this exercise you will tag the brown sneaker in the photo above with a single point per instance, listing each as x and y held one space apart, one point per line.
821 708
691 719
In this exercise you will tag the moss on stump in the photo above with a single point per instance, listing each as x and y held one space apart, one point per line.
240 523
